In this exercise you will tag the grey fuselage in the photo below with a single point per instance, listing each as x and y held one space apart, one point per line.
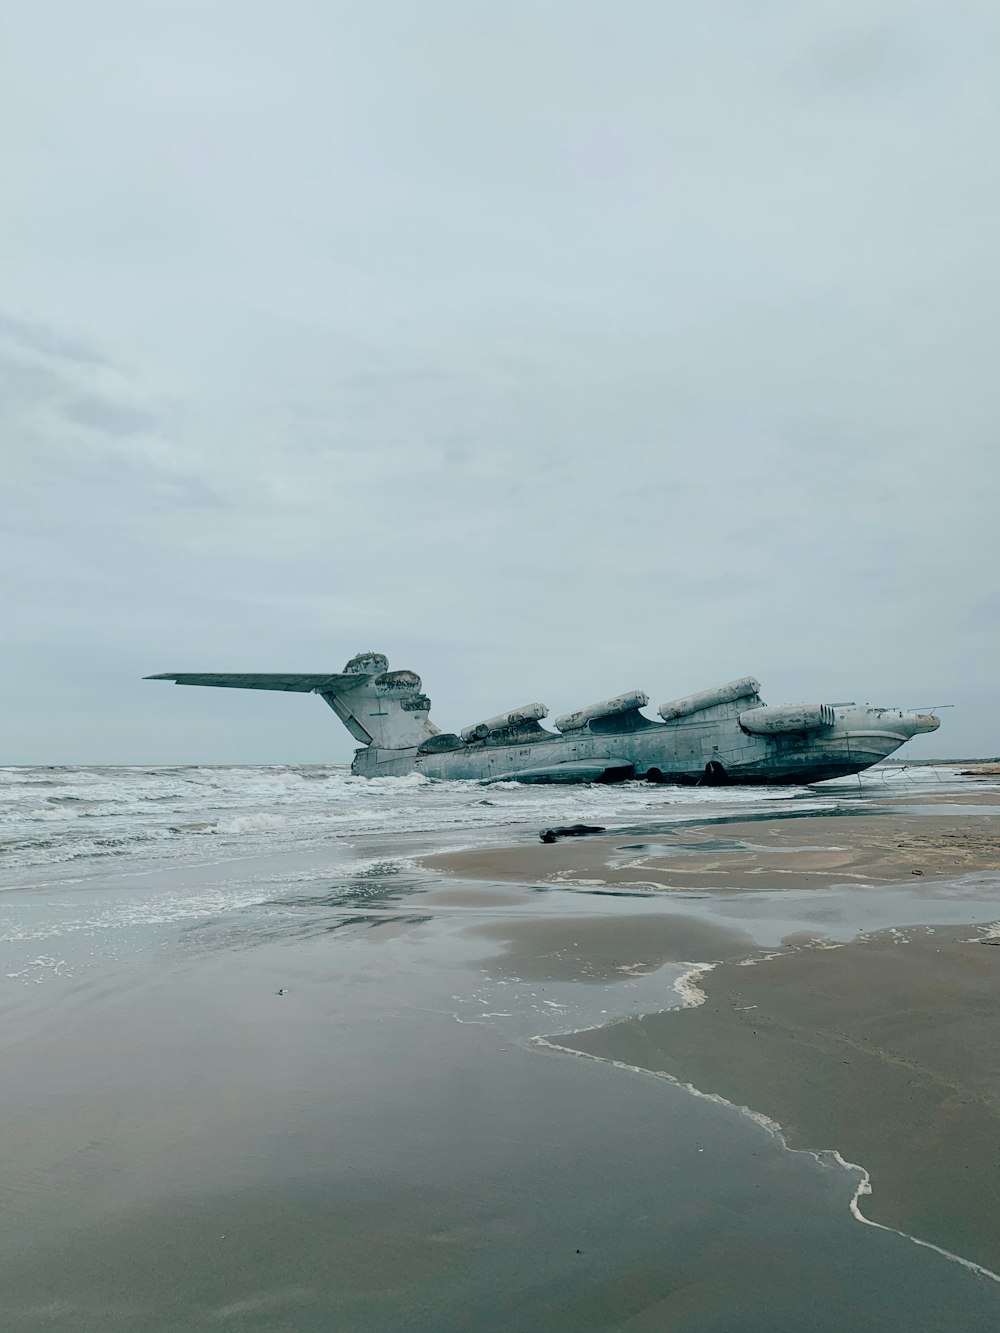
718 736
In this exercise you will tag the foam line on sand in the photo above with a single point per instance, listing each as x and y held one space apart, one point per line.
692 996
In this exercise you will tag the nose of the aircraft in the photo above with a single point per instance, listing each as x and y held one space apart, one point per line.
915 723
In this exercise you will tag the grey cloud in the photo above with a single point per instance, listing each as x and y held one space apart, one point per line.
873 57
27 385
550 355
45 373
37 336
109 417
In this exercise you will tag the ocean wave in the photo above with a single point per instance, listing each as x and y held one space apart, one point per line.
54 815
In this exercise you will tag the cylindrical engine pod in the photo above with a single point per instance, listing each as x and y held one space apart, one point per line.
747 688
787 717
621 703
504 722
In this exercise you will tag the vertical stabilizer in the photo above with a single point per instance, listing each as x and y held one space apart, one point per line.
387 710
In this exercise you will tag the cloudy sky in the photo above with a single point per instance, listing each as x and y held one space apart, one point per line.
551 348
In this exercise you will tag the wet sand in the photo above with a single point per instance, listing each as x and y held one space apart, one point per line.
600 949
331 1108
186 1149
954 798
884 1049
378 1149
750 856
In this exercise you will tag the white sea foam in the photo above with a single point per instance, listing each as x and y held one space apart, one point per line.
687 986
865 1188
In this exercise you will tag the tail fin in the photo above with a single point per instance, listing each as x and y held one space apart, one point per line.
377 706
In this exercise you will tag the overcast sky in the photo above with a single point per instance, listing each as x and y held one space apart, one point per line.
552 348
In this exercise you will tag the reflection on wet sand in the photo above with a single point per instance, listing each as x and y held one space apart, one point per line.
885 1049
599 949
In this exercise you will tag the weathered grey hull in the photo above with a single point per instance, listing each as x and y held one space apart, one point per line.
725 735
701 754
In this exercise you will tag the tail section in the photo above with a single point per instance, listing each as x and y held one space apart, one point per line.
377 706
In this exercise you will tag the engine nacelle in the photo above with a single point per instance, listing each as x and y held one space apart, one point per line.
787 717
747 688
517 717
620 703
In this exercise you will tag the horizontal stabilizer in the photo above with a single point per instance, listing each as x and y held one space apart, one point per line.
301 684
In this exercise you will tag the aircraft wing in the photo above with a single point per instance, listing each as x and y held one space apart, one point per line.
300 684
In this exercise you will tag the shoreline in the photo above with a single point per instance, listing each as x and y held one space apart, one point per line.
890 1105
879 1047
772 1127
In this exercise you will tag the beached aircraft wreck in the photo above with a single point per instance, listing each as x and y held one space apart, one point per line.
719 736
